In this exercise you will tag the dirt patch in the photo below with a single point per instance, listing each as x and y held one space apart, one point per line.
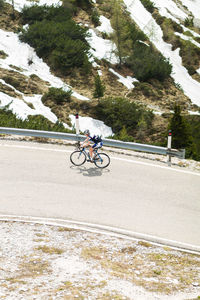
26 85
9 19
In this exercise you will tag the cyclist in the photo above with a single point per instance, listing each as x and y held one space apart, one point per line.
95 139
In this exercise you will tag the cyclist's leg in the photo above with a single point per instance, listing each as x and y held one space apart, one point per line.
92 151
97 147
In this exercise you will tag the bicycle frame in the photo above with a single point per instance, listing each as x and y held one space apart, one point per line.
87 153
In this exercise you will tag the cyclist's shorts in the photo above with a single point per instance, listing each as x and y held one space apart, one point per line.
97 146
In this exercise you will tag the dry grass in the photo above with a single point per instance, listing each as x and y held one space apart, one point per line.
94 253
28 268
145 244
49 250
156 272
65 229
34 267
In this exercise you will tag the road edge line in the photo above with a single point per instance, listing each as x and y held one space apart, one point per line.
104 229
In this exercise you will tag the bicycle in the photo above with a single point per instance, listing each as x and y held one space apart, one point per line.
80 156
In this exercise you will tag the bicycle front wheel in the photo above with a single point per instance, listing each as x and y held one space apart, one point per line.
78 158
102 160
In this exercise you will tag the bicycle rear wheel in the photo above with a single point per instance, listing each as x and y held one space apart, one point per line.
78 158
102 160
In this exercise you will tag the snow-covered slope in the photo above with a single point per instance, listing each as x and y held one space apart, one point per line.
147 24
19 55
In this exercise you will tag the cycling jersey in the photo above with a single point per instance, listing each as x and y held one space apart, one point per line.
97 141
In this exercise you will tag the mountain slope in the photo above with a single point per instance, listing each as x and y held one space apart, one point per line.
24 77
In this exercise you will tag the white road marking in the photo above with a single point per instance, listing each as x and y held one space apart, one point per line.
156 166
103 229
115 158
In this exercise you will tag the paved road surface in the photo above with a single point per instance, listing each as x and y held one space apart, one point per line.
39 180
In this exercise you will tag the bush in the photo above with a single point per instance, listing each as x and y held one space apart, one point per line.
123 136
8 119
146 63
182 134
119 114
188 22
38 13
63 43
95 17
57 95
190 56
84 4
150 6
194 122
2 2
145 88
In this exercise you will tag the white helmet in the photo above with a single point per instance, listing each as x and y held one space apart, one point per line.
87 132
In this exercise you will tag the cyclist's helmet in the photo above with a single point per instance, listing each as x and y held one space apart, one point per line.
87 132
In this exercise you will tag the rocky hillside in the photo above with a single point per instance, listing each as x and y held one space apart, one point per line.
114 59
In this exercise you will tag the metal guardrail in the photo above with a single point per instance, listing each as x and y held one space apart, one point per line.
107 142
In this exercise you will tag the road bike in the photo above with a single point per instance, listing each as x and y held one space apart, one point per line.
81 155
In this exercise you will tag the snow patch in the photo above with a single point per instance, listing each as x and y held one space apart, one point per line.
19 4
128 81
101 48
96 127
105 25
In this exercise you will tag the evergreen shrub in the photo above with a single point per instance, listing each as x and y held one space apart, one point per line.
146 63
95 17
190 54
194 122
63 43
140 56
120 113
99 87
149 5
37 13
84 4
188 22
59 96
2 2
38 122
182 134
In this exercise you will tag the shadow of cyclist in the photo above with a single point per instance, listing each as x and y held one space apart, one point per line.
90 172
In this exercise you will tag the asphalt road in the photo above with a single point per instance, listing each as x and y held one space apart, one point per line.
132 194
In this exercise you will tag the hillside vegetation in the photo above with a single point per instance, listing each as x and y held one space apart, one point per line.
59 36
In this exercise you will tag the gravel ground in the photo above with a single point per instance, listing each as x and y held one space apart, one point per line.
46 262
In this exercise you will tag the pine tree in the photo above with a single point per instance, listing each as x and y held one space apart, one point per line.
181 133
2 3
121 35
99 87
179 129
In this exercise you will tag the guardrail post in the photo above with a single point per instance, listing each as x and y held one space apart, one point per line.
77 126
77 123
169 146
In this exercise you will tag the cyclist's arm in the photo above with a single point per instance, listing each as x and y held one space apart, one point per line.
86 142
